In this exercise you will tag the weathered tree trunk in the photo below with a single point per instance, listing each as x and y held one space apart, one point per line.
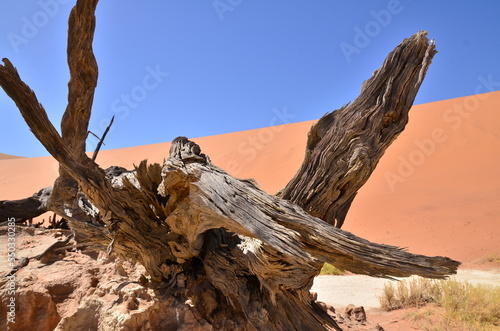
344 147
242 259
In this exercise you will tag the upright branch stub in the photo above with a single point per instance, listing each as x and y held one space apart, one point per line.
83 70
344 146
186 150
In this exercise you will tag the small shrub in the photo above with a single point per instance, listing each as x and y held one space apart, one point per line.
411 292
329 269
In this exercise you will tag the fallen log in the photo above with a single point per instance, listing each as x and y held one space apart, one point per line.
25 209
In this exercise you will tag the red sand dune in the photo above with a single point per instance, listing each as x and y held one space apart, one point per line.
7 156
435 191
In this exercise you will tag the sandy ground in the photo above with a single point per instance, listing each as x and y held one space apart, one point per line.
340 291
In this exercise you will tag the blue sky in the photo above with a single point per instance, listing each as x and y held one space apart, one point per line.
200 68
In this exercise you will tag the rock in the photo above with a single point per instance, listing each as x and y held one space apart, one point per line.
356 314
33 307
90 292
331 311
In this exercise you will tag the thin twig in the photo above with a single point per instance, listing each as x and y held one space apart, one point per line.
22 263
92 133
62 249
102 138
57 244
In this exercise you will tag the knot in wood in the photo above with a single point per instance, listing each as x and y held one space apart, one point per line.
390 117
187 151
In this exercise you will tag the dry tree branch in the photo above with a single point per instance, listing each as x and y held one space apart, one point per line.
344 146
83 72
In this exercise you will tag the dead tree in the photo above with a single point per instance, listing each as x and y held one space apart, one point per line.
242 259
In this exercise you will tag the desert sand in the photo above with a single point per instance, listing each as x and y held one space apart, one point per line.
436 190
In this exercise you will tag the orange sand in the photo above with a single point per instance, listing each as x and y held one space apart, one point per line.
435 191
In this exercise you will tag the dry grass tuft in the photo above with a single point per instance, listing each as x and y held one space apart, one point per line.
411 292
465 306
